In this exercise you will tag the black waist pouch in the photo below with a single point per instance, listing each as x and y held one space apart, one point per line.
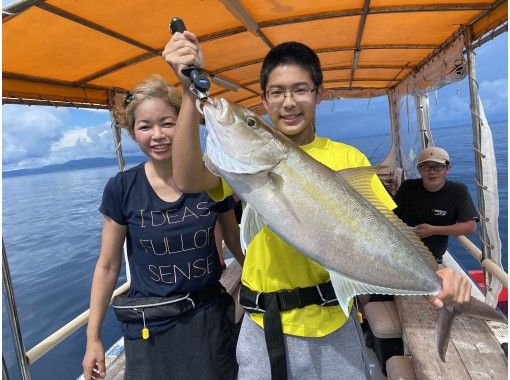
148 308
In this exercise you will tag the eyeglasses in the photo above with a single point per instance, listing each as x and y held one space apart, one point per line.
436 168
298 93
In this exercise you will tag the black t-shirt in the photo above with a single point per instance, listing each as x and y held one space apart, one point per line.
170 245
447 206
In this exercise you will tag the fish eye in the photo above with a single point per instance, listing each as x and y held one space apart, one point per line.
251 122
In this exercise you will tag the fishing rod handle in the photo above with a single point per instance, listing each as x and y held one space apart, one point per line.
198 78
177 25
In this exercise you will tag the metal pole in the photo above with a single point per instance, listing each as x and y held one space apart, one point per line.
118 145
117 138
5 372
13 317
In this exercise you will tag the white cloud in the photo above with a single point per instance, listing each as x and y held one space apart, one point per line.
96 110
71 139
452 105
29 132
450 109
494 95
38 136
93 141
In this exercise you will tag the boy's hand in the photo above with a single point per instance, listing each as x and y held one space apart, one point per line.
456 288
181 51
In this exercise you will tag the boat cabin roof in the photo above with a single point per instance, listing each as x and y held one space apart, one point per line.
76 53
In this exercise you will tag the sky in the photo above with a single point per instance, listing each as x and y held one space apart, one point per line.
35 136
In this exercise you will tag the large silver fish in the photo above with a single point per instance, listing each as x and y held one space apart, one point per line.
332 217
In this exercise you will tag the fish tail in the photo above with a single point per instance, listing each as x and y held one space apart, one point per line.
475 308
444 323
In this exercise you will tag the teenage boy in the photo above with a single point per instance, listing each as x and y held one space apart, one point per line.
318 341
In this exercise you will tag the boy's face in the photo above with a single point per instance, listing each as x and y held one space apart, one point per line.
290 100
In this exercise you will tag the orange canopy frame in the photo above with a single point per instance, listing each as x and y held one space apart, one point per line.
80 53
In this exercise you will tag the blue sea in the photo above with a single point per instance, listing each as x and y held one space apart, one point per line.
51 230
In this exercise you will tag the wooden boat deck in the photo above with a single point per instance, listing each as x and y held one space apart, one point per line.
473 351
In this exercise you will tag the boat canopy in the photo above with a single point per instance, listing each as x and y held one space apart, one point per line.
80 53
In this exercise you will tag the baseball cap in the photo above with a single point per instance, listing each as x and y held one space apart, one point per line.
434 154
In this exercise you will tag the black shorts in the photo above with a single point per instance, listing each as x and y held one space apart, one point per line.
200 346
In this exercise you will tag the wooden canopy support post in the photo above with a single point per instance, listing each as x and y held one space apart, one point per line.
395 154
423 122
116 99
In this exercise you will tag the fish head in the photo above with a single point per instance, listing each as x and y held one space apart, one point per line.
238 140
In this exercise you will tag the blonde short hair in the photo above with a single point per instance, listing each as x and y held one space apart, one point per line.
154 87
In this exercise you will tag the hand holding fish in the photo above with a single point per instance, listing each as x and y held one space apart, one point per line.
456 289
181 51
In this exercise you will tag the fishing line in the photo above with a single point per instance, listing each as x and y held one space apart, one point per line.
369 101
376 149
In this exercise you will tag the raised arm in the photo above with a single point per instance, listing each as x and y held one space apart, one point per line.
103 283
189 171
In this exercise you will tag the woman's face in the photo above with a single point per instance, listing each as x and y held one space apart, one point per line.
154 128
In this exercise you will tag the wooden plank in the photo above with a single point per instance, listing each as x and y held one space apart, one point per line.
473 351
479 349
115 369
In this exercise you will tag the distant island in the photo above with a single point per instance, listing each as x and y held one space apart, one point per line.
86 163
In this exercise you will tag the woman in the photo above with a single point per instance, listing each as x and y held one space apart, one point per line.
171 253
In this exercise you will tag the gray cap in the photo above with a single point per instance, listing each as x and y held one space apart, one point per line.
434 154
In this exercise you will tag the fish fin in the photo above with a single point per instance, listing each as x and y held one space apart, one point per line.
251 224
415 239
360 179
343 290
346 288
445 318
446 315
479 309
276 180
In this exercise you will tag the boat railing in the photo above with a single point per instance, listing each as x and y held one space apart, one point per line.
58 336
25 359
488 264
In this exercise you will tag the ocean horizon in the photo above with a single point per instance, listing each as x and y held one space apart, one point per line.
52 228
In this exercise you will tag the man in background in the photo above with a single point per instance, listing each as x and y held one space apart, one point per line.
436 207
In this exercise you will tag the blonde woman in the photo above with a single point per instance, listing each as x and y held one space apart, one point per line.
172 256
